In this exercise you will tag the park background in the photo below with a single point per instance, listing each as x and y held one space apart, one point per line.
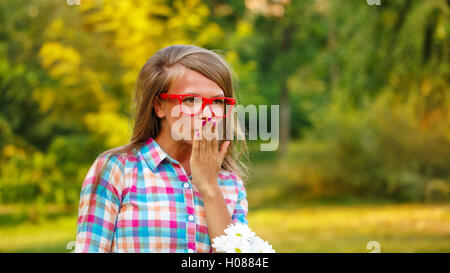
364 103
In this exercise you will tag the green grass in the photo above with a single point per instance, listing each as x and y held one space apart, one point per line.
397 228
324 228
46 236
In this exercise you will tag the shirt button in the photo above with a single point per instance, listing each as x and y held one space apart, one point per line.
190 250
186 185
191 217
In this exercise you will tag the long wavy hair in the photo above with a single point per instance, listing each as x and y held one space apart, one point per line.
157 76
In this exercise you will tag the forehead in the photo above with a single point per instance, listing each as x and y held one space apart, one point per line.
194 82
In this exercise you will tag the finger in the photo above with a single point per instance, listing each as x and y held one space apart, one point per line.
211 136
208 134
215 137
203 140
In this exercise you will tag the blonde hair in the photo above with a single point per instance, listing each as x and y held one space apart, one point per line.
157 76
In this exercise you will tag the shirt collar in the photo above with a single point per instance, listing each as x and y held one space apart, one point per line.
154 154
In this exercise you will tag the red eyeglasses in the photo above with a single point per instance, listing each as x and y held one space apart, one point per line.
194 104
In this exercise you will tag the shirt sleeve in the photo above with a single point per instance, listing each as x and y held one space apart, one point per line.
241 209
99 206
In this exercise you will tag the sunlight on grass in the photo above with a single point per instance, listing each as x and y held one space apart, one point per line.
47 236
398 228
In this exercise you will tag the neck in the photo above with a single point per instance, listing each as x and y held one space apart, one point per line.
178 150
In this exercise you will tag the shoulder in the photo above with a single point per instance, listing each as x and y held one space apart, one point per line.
110 167
230 175
104 164
119 161
229 178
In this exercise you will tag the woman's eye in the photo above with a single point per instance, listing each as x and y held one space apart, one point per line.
188 99
219 101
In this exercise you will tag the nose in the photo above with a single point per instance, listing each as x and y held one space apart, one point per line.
207 112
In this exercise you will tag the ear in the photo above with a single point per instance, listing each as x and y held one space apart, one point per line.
157 106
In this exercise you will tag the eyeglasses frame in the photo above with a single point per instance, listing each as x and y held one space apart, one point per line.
205 101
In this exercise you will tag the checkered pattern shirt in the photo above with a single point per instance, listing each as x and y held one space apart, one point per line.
145 202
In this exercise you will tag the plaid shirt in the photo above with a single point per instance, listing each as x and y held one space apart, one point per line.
145 202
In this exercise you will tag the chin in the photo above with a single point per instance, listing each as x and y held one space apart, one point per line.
190 142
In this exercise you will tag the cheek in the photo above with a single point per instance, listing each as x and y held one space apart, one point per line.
184 123
172 115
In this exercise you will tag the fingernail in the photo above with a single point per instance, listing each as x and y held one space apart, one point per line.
214 123
204 122
209 119
197 134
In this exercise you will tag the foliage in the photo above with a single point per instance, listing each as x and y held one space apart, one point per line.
367 86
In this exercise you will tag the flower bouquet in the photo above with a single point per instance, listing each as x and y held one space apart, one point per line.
240 238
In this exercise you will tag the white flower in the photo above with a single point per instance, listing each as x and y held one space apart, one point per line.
221 243
240 238
261 246
239 230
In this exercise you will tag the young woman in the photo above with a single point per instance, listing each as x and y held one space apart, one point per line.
168 191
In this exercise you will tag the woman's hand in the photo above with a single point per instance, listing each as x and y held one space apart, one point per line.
206 158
